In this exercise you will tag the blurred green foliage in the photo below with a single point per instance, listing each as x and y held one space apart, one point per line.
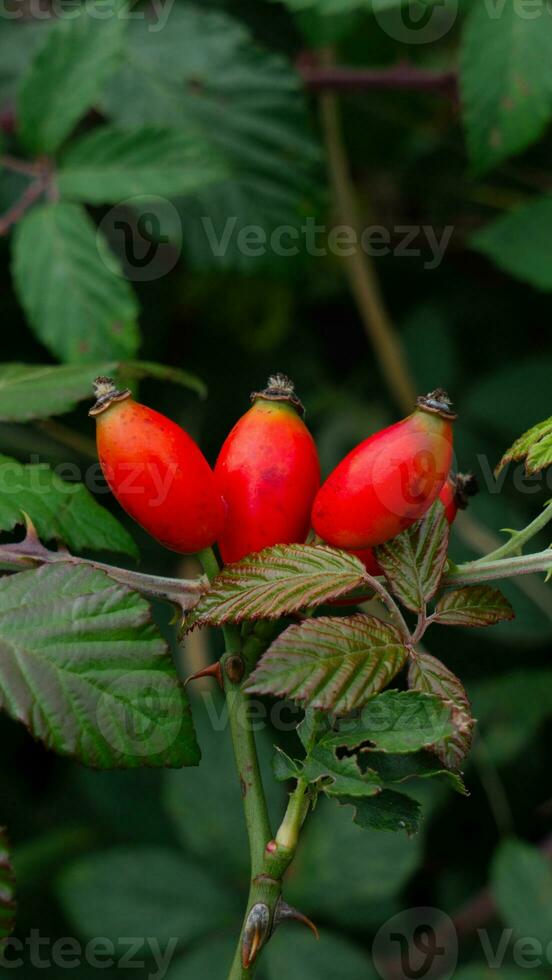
474 324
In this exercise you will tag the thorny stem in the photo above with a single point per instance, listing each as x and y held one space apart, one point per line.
269 858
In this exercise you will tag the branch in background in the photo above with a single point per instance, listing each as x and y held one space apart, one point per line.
21 206
360 267
405 77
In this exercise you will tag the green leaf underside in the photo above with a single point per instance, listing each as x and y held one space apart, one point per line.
521 881
71 286
143 891
395 721
68 74
7 890
477 605
330 663
505 81
85 669
393 769
428 674
110 165
33 391
339 776
535 446
37 391
205 72
388 810
59 510
413 562
276 582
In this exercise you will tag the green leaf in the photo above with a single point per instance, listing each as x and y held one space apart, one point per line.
505 81
338 776
415 765
59 510
305 959
395 721
426 673
37 391
71 288
68 74
521 881
205 71
19 40
477 605
520 241
534 446
34 391
276 582
388 810
143 891
83 666
413 563
110 165
330 663
7 890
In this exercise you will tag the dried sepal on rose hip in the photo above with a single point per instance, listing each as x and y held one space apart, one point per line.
156 471
388 481
268 474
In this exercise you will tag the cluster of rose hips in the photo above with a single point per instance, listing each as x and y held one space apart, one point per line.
265 487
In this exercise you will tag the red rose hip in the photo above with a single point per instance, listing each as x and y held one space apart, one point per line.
156 471
389 481
268 474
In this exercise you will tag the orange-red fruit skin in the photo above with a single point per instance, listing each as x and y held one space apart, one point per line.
268 474
386 483
449 501
159 476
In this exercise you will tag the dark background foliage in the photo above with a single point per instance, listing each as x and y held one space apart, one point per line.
464 325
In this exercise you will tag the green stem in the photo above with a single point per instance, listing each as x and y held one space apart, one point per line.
519 538
474 573
264 887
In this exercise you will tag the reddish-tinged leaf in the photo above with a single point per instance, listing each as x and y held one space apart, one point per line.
413 563
329 663
276 582
477 605
7 890
426 673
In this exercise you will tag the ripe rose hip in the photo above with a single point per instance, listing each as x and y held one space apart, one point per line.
454 496
268 474
389 481
156 471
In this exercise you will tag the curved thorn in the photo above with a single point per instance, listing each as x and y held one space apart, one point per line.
213 670
284 912
255 933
